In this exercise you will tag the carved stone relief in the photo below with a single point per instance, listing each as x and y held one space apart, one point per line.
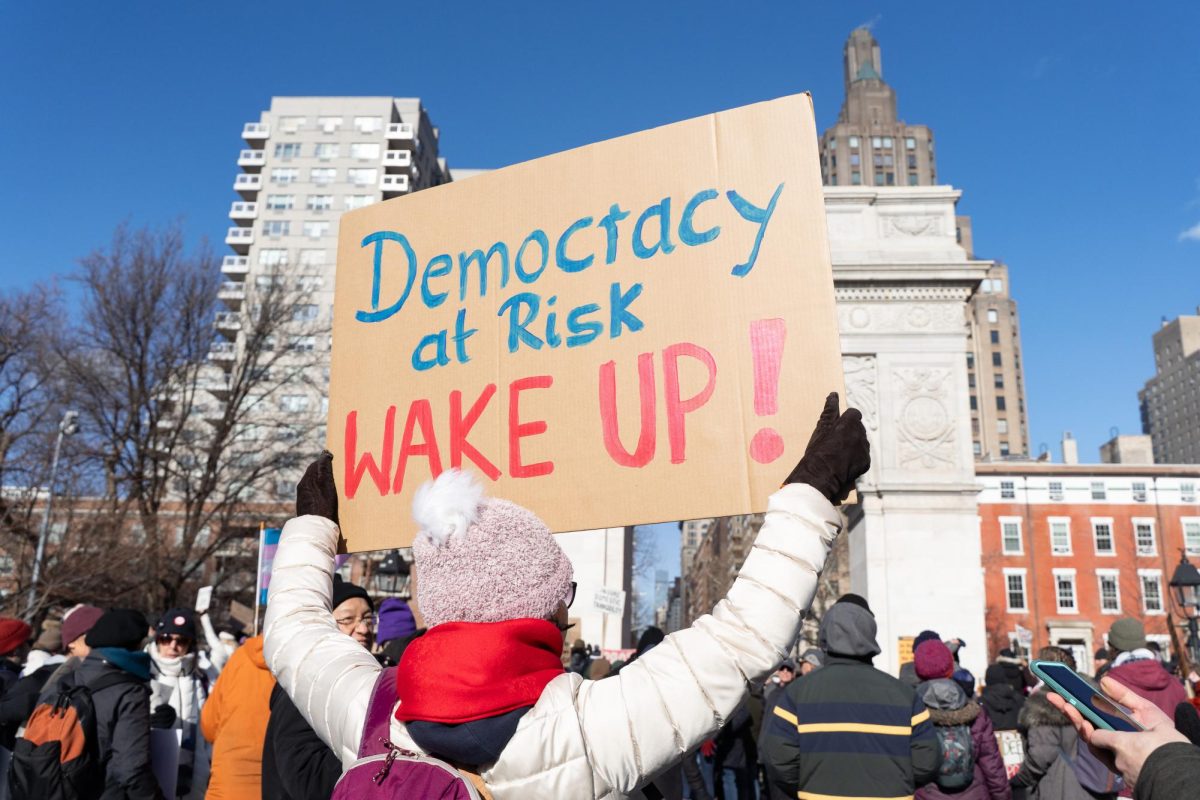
910 225
901 317
925 425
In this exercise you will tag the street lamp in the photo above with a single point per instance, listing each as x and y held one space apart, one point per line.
68 426
1185 587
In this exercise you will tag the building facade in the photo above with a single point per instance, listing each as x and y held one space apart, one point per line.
1170 401
999 426
1068 549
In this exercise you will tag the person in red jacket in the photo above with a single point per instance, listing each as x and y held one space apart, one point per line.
1136 667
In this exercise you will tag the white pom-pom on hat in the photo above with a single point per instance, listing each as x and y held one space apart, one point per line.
445 507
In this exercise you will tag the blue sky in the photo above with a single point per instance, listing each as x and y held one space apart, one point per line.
1071 127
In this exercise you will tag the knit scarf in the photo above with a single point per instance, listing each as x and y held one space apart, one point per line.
465 671
189 689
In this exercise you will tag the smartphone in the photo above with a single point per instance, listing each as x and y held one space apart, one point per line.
1083 693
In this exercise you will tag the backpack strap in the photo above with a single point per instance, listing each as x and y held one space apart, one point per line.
379 714
112 679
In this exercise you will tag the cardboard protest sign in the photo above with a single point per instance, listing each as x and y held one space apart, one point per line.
636 331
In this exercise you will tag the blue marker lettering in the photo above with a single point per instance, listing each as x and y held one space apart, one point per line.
376 314
688 234
754 214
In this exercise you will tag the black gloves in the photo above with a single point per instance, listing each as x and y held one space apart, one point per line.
162 717
316 492
837 453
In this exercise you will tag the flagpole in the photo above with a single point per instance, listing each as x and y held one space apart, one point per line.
262 528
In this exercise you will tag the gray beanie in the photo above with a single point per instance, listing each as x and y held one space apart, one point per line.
849 630
1126 634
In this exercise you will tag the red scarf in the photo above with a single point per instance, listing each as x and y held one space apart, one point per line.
464 671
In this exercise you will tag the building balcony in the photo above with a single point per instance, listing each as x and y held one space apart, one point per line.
217 387
236 267
232 294
243 213
397 159
247 185
222 352
214 413
240 239
401 134
393 185
228 323
252 160
256 132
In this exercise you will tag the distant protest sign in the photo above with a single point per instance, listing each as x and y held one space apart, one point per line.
636 331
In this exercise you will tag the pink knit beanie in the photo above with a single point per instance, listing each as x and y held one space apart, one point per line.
483 559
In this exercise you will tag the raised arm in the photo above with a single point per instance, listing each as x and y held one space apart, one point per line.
327 674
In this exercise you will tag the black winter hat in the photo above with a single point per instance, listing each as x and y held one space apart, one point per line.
344 590
858 600
179 621
119 627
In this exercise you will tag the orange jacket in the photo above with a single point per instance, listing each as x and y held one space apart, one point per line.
234 719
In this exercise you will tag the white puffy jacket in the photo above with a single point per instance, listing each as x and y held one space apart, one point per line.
582 739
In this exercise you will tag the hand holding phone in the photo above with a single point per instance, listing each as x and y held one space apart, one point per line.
1083 694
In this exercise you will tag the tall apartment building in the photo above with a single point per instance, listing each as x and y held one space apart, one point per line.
691 533
1170 401
307 160
869 145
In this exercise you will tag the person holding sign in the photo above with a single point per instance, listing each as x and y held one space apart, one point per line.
494 583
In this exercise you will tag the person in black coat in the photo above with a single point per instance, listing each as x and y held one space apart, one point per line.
1002 703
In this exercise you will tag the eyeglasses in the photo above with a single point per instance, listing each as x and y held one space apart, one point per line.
570 598
354 622
173 638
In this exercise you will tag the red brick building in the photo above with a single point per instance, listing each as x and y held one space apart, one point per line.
1068 549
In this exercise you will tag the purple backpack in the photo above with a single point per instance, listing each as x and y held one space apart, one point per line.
384 771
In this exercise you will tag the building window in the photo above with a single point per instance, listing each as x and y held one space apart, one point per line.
327 150
1110 591
855 160
1060 537
316 228
978 448
323 175
970 380
272 257
361 176
1139 492
1004 448
1187 492
293 403
1056 490
1143 536
368 124
287 150
876 142
303 344
994 336
1014 584
912 180
285 175
1152 599
304 312
364 150
910 143
854 141
309 283
291 124
1191 536
974 403
856 177
891 179
329 124
281 202
1000 404
312 258
1010 535
879 179
1064 591
1008 490
320 202
998 380
832 144
353 201
1103 536
1098 492
970 361
996 361
276 227
1001 426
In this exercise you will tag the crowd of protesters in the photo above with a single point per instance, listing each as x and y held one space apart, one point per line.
339 699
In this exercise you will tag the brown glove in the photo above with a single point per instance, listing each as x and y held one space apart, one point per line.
837 453
316 492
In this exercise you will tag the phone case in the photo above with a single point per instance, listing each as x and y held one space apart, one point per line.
1088 714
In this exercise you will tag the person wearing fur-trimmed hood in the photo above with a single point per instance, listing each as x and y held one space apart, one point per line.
494 582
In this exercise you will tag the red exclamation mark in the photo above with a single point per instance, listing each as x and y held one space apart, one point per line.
766 347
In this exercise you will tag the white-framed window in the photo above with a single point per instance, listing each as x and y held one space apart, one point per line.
323 175
854 141
353 201
281 202
1060 536
303 344
310 283
1102 535
1001 424
1014 590
1008 490
1056 490
267 281
910 143
316 228
1139 491
319 202
1187 492
329 124
368 124
276 227
285 175
1098 492
305 312
312 257
272 257
1191 535
362 176
1064 591
365 150
993 315
287 150
327 150
1144 538
291 124
1010 536
1110 590
1152 596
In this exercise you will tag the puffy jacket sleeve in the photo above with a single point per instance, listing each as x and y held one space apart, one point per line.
681 692
326 673
987 755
